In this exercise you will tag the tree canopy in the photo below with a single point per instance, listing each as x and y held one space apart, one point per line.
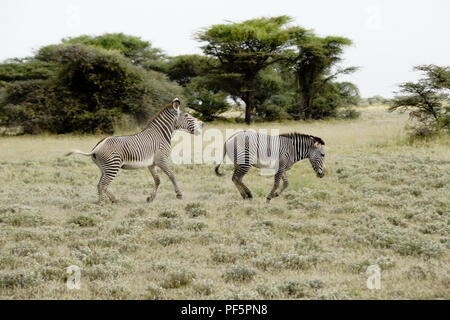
138 51
429 96
87 83
79 88
313 64
244 49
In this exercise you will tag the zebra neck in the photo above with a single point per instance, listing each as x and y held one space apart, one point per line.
301 149
163 125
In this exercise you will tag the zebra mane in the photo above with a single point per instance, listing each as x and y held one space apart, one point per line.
301 135
157 115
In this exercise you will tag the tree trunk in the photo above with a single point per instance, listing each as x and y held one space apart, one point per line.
304 91
249 107
305 107
249 99
247 114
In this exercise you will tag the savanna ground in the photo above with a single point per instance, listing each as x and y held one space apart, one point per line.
385 201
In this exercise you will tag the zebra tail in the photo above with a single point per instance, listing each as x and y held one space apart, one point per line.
78 152
216 169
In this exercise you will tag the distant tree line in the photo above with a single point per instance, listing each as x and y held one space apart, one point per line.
86 84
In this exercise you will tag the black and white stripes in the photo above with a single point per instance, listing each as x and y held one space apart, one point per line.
249 148
148 148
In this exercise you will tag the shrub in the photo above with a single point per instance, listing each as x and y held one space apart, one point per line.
83 221
178 279
196 226
348 113
203 288
240 273
162 223
25 69
219 255
266 262
169 239
419 247
168 214
90 91
195 210
295 261
268 290
419 273
316 284
19 278
385 262
294 288
154 292
307 245
21 216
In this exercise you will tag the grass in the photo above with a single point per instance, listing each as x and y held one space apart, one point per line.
385 201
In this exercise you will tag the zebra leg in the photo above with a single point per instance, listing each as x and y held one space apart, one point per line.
111 196
275 186
100 189
165 168
109 172
157 182
284 186
238 174
103 184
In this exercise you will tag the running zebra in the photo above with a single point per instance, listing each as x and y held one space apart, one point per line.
149 148
248 149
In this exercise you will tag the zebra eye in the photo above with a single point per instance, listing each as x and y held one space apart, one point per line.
322 154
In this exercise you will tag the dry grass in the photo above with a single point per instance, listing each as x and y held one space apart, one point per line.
384 202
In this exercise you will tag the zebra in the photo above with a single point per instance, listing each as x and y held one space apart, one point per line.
149 148
248 148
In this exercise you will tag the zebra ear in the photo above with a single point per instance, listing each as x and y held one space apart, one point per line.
176 103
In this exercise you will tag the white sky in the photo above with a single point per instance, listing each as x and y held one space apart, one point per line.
389 36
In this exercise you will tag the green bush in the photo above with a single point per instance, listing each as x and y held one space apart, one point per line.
25 70
178 279
206 103
90 91
239 273
348 113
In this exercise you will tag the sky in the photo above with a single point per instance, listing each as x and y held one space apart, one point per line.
389 37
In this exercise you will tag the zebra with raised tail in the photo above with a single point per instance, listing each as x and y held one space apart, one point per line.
149 148
248 148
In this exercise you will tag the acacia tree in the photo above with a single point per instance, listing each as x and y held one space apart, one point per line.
313 63
244 49
429 96
184 68
139 52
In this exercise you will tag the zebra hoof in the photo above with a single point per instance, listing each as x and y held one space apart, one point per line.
276 195
150 199
179 196
268 200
